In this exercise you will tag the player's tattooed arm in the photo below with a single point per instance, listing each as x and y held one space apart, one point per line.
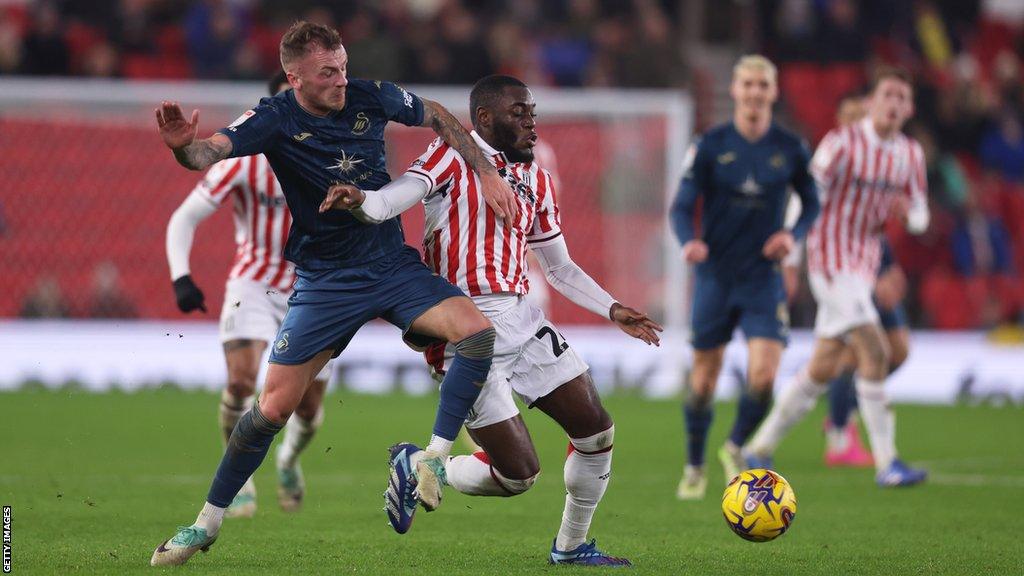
179 135
202 154
495 189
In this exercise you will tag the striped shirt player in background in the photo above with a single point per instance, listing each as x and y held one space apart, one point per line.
466 244
743 170
843 446
255 301
867 172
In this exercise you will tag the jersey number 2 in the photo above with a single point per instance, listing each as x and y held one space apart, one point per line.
557 347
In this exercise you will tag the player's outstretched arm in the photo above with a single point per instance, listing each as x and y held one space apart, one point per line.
636 324
495 189
179 135
376 206
572 282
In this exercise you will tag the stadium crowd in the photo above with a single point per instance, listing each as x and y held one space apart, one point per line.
966 55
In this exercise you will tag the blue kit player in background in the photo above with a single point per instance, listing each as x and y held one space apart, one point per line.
743 170
326 131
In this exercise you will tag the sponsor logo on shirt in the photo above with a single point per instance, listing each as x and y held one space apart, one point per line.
301 137
238 121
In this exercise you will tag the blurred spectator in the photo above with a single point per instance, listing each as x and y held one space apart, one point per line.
44 50
377 55
108 299
102 60
841 39
1002 147
10 46
980 242
133 30
215 30
45 300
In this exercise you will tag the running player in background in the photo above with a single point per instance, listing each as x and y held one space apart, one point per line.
867 171
842 439
464 243
255 301
843 446
327 130
743 170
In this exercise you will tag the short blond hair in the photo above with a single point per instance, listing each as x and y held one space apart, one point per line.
756 62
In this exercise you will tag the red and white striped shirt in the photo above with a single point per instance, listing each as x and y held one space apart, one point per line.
261 217
464 241
859 176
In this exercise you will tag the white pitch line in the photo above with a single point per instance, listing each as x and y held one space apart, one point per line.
946 479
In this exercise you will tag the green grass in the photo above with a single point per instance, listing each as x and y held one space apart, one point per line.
97 481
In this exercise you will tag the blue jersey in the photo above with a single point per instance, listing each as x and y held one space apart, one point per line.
745 189
310 153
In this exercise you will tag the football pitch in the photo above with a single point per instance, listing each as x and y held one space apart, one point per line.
97 481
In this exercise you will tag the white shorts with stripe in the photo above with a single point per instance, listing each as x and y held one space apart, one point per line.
844 303
254 311
531 359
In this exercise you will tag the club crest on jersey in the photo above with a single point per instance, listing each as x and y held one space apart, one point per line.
726 158
282 344
777 161
361 125
345 163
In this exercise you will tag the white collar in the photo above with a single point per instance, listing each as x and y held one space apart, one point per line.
488 149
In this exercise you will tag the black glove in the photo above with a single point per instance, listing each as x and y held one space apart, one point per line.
189 295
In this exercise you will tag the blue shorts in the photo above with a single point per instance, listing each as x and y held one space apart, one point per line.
328 307
758 306
892 319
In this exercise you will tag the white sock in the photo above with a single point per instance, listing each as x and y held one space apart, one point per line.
791 407
879 420
440 446
210 518
474 475
587 471
297 435
230 411
837 439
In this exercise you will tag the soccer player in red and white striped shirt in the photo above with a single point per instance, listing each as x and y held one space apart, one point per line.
867 172
255 301
466 243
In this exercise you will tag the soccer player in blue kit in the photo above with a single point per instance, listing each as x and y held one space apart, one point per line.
743 170
328 130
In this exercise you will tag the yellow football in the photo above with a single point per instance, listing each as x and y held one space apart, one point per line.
759 505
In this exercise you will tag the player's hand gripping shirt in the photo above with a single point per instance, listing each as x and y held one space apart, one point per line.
860 176
745 186
464 241
310 153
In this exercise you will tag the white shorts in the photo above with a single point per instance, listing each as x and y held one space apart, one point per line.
531 359
844 303
254 311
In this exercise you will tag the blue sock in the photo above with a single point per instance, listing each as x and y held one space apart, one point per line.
842 399
698 422
749 413
247 446
459 390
